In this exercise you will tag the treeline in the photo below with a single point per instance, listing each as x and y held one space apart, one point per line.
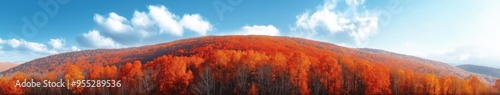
251 72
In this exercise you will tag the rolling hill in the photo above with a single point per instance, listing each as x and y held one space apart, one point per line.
260 43
442 66
245 64
481 69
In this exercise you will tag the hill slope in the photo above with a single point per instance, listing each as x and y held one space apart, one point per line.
442 66
267 44
481 70
246 65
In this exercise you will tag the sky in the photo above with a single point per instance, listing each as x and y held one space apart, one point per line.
451 31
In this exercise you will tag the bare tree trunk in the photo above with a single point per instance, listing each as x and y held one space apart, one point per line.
205 83
242 82
317 88
264 79
281 85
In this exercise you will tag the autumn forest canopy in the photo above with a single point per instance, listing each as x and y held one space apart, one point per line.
243 65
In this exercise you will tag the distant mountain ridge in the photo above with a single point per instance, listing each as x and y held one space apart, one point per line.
481 69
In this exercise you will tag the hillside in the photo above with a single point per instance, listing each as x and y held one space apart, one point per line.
259 43
442 66
5 66
481 70
245 64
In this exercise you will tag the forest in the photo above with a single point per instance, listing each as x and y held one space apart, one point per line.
252 72
241 65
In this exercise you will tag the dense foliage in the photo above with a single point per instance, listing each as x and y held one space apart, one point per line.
244 65
252 72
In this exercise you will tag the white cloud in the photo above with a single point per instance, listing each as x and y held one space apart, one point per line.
328 18
355 3
13 43
141 20
118 28
259 30
1 41
322 18
22 46
144 26
57 43
74 48
173 24
365 27
196 23
115 22
166 21
94 39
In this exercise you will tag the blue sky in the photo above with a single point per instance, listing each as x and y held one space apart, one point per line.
455 32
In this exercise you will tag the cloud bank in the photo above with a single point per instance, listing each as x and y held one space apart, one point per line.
18 50
54 46
269 30
115 31
357 25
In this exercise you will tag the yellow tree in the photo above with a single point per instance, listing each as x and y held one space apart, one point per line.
96 74
398 84
446 86
431 84
110 72
73 73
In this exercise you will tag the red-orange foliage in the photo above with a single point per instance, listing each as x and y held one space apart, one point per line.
253 90
477 87
432 85
173 76
8 86
132 76
97 73
110 72
446 85
329 74
375 78
247 65
298 68
73 73
496 86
